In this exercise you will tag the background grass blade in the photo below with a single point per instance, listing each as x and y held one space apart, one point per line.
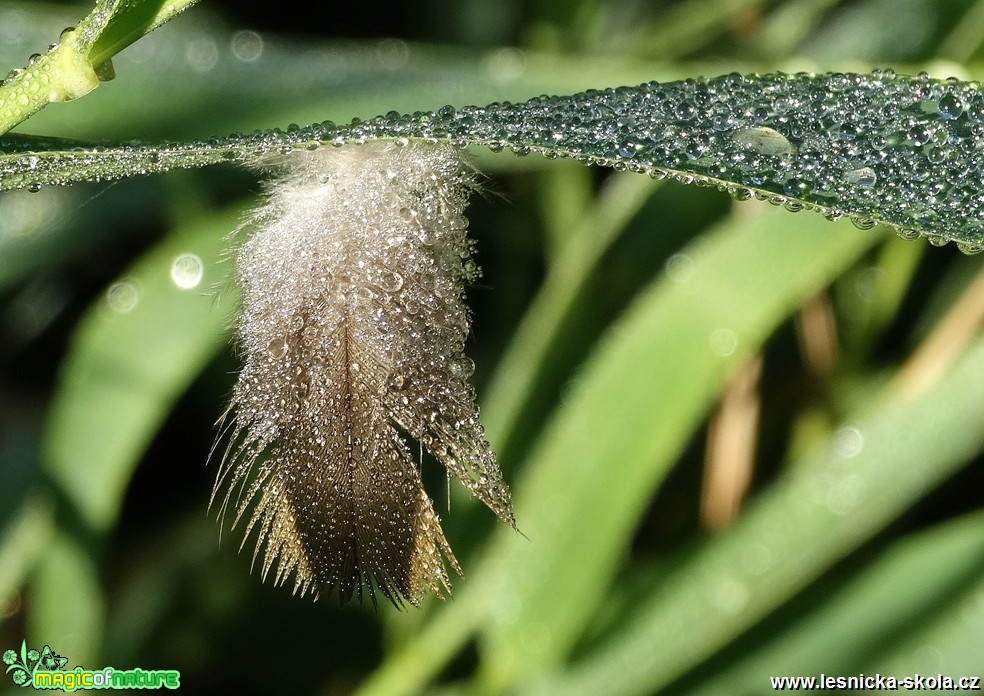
72 607
137 351
627 420
885 607
809 520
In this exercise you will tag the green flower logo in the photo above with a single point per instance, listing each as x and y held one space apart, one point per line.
22 667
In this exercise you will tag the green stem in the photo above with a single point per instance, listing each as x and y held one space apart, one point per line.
62 74
82 57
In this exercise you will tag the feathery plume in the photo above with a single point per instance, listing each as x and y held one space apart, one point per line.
352 333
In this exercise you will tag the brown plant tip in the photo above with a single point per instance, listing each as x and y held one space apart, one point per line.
352 334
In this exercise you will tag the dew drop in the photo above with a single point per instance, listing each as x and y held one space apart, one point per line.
864 177
246 45
796 187
862 223
390 281
461 367
765 141
187 271
950 107
680 268
123 297
848 442
723 342
277 348
848 131
975 110
919 135
936 155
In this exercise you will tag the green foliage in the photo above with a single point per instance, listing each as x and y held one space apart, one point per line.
132 357
616 323
871 146
81 58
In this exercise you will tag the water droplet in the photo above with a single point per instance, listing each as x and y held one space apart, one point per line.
461 367
796 187
679 268
390 281
246 45
848 442
278 348
848 131
864 177
723 342
919 135
975 110
123 297
765 141
937 155
951 107
862 223
202 54
187 271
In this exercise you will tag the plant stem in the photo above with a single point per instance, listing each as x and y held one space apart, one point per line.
62 74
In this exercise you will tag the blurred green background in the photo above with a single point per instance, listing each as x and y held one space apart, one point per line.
742 442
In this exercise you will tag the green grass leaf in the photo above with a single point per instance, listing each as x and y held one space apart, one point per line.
115 24
628 419
877 147
812 517
882 608
133 355
23 540
67 596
